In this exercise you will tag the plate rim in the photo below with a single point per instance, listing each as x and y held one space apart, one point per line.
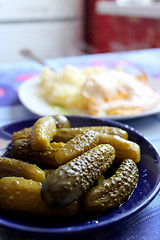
93 227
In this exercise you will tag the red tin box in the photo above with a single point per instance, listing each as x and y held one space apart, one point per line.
106 33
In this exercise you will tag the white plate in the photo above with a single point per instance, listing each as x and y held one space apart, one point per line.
35 104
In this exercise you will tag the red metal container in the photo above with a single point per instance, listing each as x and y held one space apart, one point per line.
107 33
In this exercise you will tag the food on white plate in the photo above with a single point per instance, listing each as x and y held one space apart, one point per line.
97 91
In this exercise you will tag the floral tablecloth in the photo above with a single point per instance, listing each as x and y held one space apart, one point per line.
145 224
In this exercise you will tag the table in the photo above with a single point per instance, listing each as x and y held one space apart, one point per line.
144 225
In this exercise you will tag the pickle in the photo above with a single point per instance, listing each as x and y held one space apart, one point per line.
43 131
22 134
76 146
124 148
61 121
23 196
65 134
67 183
18 168
114 191
21 149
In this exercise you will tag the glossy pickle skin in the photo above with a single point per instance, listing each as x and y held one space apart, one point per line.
124 148
21 134
42 133
89 139
66 134
76 146
60 121
71 180
114 191
21 149
18 168
23 196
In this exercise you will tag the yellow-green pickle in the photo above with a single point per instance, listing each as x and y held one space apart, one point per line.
114 190
23 196
42 132
65 134
60 121
76 146
13 167
21 149
72 179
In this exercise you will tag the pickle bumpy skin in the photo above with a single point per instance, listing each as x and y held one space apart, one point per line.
60 121
18 168
23 196
65 134
124 148
72 179
43 131
21 149
112 192
76 146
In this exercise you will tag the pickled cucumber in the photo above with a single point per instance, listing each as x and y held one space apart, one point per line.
61 121
112 192
21 149
18 168
71 180
65 134
43 131
76 146
23 196
22 134
124 148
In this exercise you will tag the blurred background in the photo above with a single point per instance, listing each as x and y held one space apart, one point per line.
59 28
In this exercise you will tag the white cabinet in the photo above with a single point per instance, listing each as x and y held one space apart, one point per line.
51 28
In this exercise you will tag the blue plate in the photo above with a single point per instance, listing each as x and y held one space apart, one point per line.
147 188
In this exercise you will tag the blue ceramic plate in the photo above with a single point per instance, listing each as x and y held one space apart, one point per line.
147 188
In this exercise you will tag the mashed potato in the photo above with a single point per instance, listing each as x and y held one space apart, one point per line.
96 91
64 88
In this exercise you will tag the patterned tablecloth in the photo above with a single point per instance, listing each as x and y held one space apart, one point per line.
144 225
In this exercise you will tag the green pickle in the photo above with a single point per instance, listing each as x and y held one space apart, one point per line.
76 146
114 191
18 168
71 180
21 149
42 133
22 134
124 148
60 121
23 196
65 134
